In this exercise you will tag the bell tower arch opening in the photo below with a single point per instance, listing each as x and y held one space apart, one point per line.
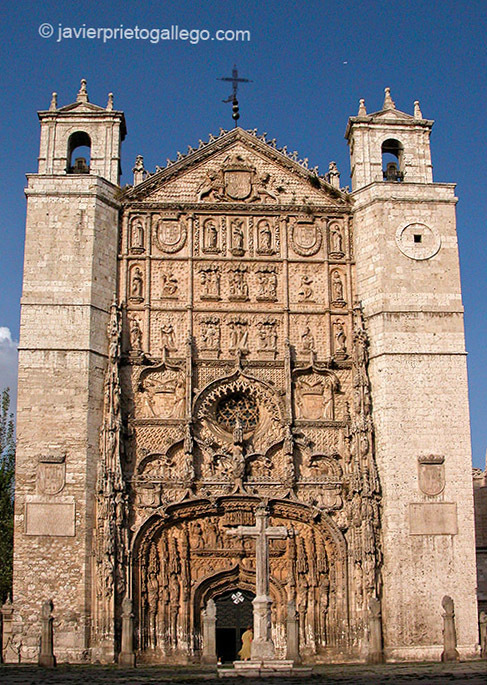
392 160
79 153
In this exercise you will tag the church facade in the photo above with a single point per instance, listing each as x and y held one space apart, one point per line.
236 333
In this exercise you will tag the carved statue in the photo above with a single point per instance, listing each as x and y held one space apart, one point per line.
211 235
263 189
137 235
340 337
237 236
135 335
137 283
169 285
238 288
212 187
306 291
239 335
210 336
267 280
267 335
265 236
307 340
210 282
167 337
336 239
178 407
337 287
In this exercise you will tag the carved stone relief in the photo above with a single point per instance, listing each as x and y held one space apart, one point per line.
238 238
239 334
314 396
137 235
337 289
238 289
305 236
135 332
336 244
306 290
161 393
211 236
210 280
210 333
169 286
136 293
51 474
431 474
266 283
340 339
170 232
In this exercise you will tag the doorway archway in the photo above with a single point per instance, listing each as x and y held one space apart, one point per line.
234 614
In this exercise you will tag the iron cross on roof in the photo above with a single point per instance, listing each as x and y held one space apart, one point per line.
235 80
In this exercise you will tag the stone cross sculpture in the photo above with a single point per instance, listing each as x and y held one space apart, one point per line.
262 646
449 633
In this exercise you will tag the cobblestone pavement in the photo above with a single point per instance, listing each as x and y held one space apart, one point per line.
474 673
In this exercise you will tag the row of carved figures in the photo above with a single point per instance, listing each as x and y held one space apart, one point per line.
239 237
238 286
238 337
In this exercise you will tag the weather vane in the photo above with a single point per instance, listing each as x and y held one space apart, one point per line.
235 80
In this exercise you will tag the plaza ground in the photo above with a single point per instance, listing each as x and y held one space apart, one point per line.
474 672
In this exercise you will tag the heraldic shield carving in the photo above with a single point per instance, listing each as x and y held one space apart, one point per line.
51 474
238 180
431 472
170 233
306 237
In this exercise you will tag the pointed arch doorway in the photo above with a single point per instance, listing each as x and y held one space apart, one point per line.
234 614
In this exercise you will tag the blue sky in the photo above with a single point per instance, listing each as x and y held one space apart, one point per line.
310 63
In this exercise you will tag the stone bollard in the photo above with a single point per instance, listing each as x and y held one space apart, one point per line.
292 634
46 655
483 634
209 655
376 653
127 654
449 633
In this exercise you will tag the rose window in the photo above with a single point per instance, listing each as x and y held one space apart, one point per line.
237 406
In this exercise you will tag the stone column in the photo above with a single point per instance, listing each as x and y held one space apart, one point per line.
483 634
127 654
209 655
46 656
376 654
449 633
292 634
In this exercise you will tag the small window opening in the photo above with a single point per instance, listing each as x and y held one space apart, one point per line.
418 238
392 161
79 153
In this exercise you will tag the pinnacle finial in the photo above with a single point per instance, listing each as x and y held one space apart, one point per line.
388 101
362 112
82 93
110 102
53 105
417 110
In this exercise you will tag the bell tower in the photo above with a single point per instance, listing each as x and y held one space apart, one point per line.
70 269
408 282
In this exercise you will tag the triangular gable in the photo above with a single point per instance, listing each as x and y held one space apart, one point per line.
237 166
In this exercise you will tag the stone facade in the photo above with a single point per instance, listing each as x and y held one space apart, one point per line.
274 344
480 501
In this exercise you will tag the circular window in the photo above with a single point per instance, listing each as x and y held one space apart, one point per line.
237 406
